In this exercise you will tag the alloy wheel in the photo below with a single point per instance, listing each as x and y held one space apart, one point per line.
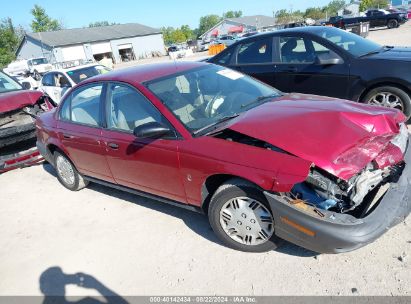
247 221
65 170
387 99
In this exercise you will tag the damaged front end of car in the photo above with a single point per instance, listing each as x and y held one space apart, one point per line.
325 191
18 133
328 214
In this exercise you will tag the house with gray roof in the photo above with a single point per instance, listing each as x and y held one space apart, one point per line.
121 42
233 26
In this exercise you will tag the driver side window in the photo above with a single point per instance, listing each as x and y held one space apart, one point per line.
128 109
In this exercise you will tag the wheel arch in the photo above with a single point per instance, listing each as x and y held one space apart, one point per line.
383 84
213 182
53 147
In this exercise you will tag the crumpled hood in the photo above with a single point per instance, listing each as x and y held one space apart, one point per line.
341 137
18 99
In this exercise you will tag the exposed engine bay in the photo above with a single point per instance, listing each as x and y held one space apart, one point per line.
322 190
18 125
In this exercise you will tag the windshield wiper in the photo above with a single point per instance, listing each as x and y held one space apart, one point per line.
214 125
383 48
259 99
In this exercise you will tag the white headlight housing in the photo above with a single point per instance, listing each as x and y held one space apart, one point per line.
401 139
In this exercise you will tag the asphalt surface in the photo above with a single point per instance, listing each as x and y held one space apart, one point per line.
128 245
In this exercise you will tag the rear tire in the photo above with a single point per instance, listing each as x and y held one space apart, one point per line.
392 24
390 97
67 173
241 217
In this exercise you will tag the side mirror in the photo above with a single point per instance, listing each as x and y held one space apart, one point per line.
151 130
26 85
328 61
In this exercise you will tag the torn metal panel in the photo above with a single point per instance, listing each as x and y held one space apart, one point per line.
340 137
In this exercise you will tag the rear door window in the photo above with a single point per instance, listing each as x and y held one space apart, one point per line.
83 106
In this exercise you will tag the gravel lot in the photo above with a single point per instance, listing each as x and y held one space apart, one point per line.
133 246
399 37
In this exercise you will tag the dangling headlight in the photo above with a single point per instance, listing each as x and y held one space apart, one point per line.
401 140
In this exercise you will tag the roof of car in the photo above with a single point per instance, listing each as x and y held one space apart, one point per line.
78 67
303 29
143 73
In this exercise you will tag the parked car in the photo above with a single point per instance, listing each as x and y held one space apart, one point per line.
376 18
18 109
325 61
227 40
261 164
35 67
57 82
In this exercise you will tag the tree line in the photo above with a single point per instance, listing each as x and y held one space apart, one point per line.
331 9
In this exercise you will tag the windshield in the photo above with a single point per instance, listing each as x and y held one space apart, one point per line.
84 73
209 95
352 43
7 84
38 61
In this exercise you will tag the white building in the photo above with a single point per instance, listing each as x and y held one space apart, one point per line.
121 42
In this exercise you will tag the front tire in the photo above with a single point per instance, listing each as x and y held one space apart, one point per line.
241 218
67 174
390 97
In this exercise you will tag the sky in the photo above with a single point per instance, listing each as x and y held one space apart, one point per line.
157 13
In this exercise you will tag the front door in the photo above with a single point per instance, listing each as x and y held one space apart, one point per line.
79 130
298 71
143 164
255 58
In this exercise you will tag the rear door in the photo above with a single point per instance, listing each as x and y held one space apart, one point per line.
297 70
255 58
79 130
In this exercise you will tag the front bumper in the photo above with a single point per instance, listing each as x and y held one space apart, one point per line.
333 232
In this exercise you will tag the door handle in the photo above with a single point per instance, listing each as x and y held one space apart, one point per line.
113 146
66 136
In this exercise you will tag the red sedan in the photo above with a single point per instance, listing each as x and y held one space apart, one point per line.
326 174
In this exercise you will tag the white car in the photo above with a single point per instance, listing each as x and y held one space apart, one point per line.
57 82
34 67
227 40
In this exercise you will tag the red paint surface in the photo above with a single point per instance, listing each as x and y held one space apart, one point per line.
18 99
340 137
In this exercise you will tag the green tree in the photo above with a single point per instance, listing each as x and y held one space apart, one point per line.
9 41
187 31
334 6
315 13
283 16
207 22
177 36
232 14
367 4
101 23
42 22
